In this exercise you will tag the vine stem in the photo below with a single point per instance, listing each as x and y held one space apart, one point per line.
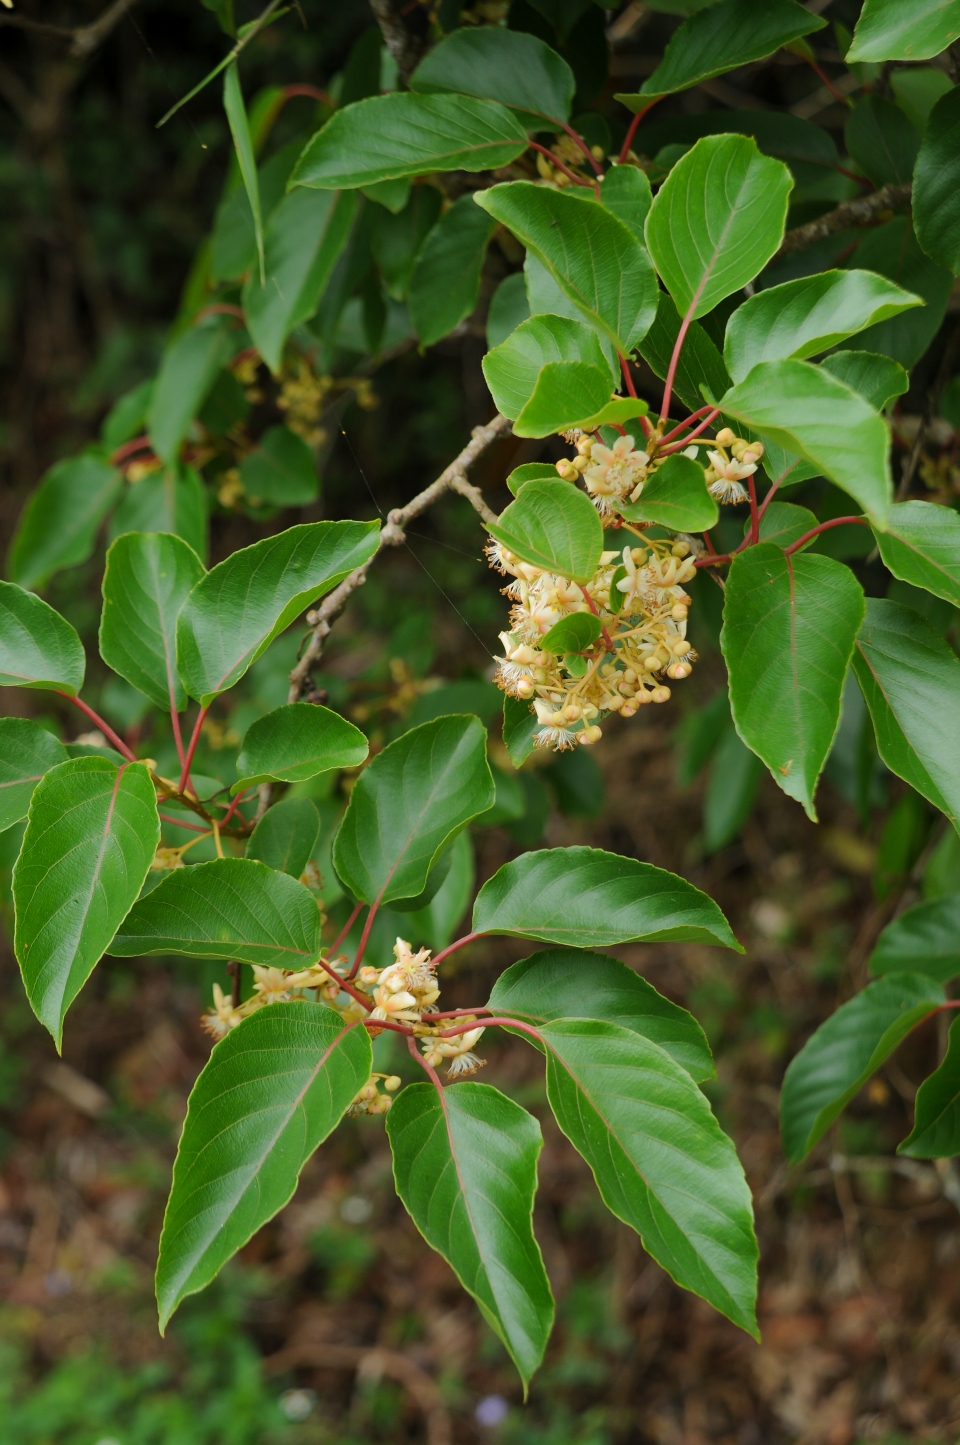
346 928
427 1068
191 827
194 739
754 517
682 426
104 726
492 1023
823 527
685 441
556 161
177 734
456 1013
593 608
575 136
346 985
368 924
631 132
459 943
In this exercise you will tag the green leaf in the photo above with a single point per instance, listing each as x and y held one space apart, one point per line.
233 242
188 370
878 379
586 898
280 470
392 195
126 417
38 647
27 752
917 91
661 1161
625 190
720 38
892 250
553 526
445 283
595 258
575 633
923 547
508 307
676 497
700 371
147 579
173 500
286 835
836 1062
882 141
571 394
271 1092
731 791
234 908
296 742
570 983
304 239
91 836
223 10
58 526
520 723
789 627
936 183
512 368
390 136
806 410
409 804
395 240
530 472
243 145
516 69
783 523
465 1165
436 923
236 610
806 316
717 219
904 29
910 679
922 939
936 1125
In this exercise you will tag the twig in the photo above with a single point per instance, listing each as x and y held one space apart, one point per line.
405 47
858 212
85 38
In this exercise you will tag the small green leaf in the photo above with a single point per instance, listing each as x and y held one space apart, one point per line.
390 136
625 190
783 523
127 416
38 647
27 752
575 633
570 983
280 470
910 679
271 1092
445 283
807 316
878 379
716 220
882 142
676 497
233 908
923 547
409 805
806 410
188 370
836 1062
700 371
661 1161
922 939
58 526
286 836
147 579
904 29
595 258
296 742
520 723
173 500
586 898
936 183
554 526
510 66
91 836
936 1124
530 472
243 145
239 607
465 1164
572 395
513 368
789 628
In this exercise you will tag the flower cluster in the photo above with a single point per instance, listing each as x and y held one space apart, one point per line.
731 462
369 1099
611 475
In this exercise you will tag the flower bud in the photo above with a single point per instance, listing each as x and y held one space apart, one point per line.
525 687
567 470
678 612
725 437
368 974
392 1082
590 735
660 694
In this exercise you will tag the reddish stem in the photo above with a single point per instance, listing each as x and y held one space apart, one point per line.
104 727
824 527
346 985
717 560
194 739
138 444
767 500
492 1023
556 161
837 94
458 943
191 827
289 91
387 1024
628 379
685 441
428 1068
597 169
232 808
628 142
220 308
682 426
177 734
593 608
456 1013
754 519
363 939
346 928
708 543
951 1003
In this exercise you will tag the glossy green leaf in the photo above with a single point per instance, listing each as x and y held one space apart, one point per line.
173 500
239 607
512 368
234 908
233 242
445 283
700 371
917 91
892 250
878 379
572 395
570 983
904 29
530 472
923 547
187 372
731 790
508 307
593 257
409 804
280 470
436 924
554 526
575 633
910 678
465 1165
296 742
520 723
147 580
789 627
806 410
27 752
546 297
38 647
243 147
395 240
586 898
271 1092
807 316
91 836
58 526
836 1062
783 523
716 220
625 190
516 69
675 496
661 1161
936 184
390 136
304 239
922 939
720 38
286 835
936 1125
882 141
